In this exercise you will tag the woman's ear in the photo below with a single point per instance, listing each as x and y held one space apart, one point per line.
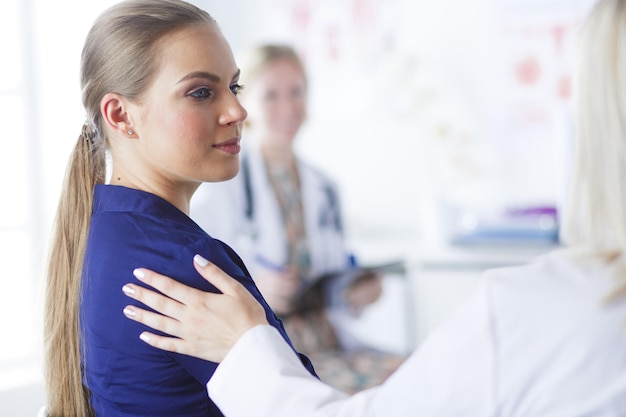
115 114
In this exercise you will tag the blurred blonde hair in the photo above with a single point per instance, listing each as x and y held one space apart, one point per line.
255 60
120 55
595 216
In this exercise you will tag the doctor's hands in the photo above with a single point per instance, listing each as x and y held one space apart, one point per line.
205 325
365 289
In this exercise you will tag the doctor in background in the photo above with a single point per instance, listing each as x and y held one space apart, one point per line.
282 215
545 339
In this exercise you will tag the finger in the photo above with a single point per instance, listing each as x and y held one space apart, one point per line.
171 344
154 300
214 274
166 285
156 321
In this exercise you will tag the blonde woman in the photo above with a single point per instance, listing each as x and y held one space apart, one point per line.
160 89
546 339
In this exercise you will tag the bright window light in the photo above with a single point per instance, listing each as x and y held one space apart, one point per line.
9 51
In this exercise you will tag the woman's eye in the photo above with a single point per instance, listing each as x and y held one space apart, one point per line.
236 89
201 93
297 93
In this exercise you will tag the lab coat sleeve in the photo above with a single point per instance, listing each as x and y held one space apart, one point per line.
261 376
452 374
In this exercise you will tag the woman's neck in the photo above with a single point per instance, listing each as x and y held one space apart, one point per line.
177 195
282 155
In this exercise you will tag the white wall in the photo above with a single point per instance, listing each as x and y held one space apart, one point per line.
22 401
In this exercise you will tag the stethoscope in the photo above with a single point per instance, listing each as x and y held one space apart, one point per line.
328 218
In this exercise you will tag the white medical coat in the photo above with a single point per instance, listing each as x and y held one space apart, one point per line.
531 341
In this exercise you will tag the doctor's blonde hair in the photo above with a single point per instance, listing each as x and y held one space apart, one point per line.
120 55
256 59
595 217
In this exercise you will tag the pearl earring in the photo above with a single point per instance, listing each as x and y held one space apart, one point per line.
130 132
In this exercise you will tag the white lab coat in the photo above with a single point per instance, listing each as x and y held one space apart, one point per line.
531 341
220 209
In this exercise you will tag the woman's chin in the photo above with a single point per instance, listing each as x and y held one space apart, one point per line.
224 175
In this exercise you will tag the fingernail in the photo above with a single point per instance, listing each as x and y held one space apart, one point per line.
144 337
200 260
128 290
138 273
129 311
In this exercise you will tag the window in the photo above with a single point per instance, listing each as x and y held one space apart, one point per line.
19 213
41 119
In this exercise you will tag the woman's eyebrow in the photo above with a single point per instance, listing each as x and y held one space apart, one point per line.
200 74
206 75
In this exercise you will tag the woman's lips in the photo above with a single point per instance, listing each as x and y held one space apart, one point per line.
231 146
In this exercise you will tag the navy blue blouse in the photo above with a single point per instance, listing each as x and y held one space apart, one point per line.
127 377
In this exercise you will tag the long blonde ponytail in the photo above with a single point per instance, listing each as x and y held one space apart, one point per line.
66 395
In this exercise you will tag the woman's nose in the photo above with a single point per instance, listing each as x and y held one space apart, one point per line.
234 112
